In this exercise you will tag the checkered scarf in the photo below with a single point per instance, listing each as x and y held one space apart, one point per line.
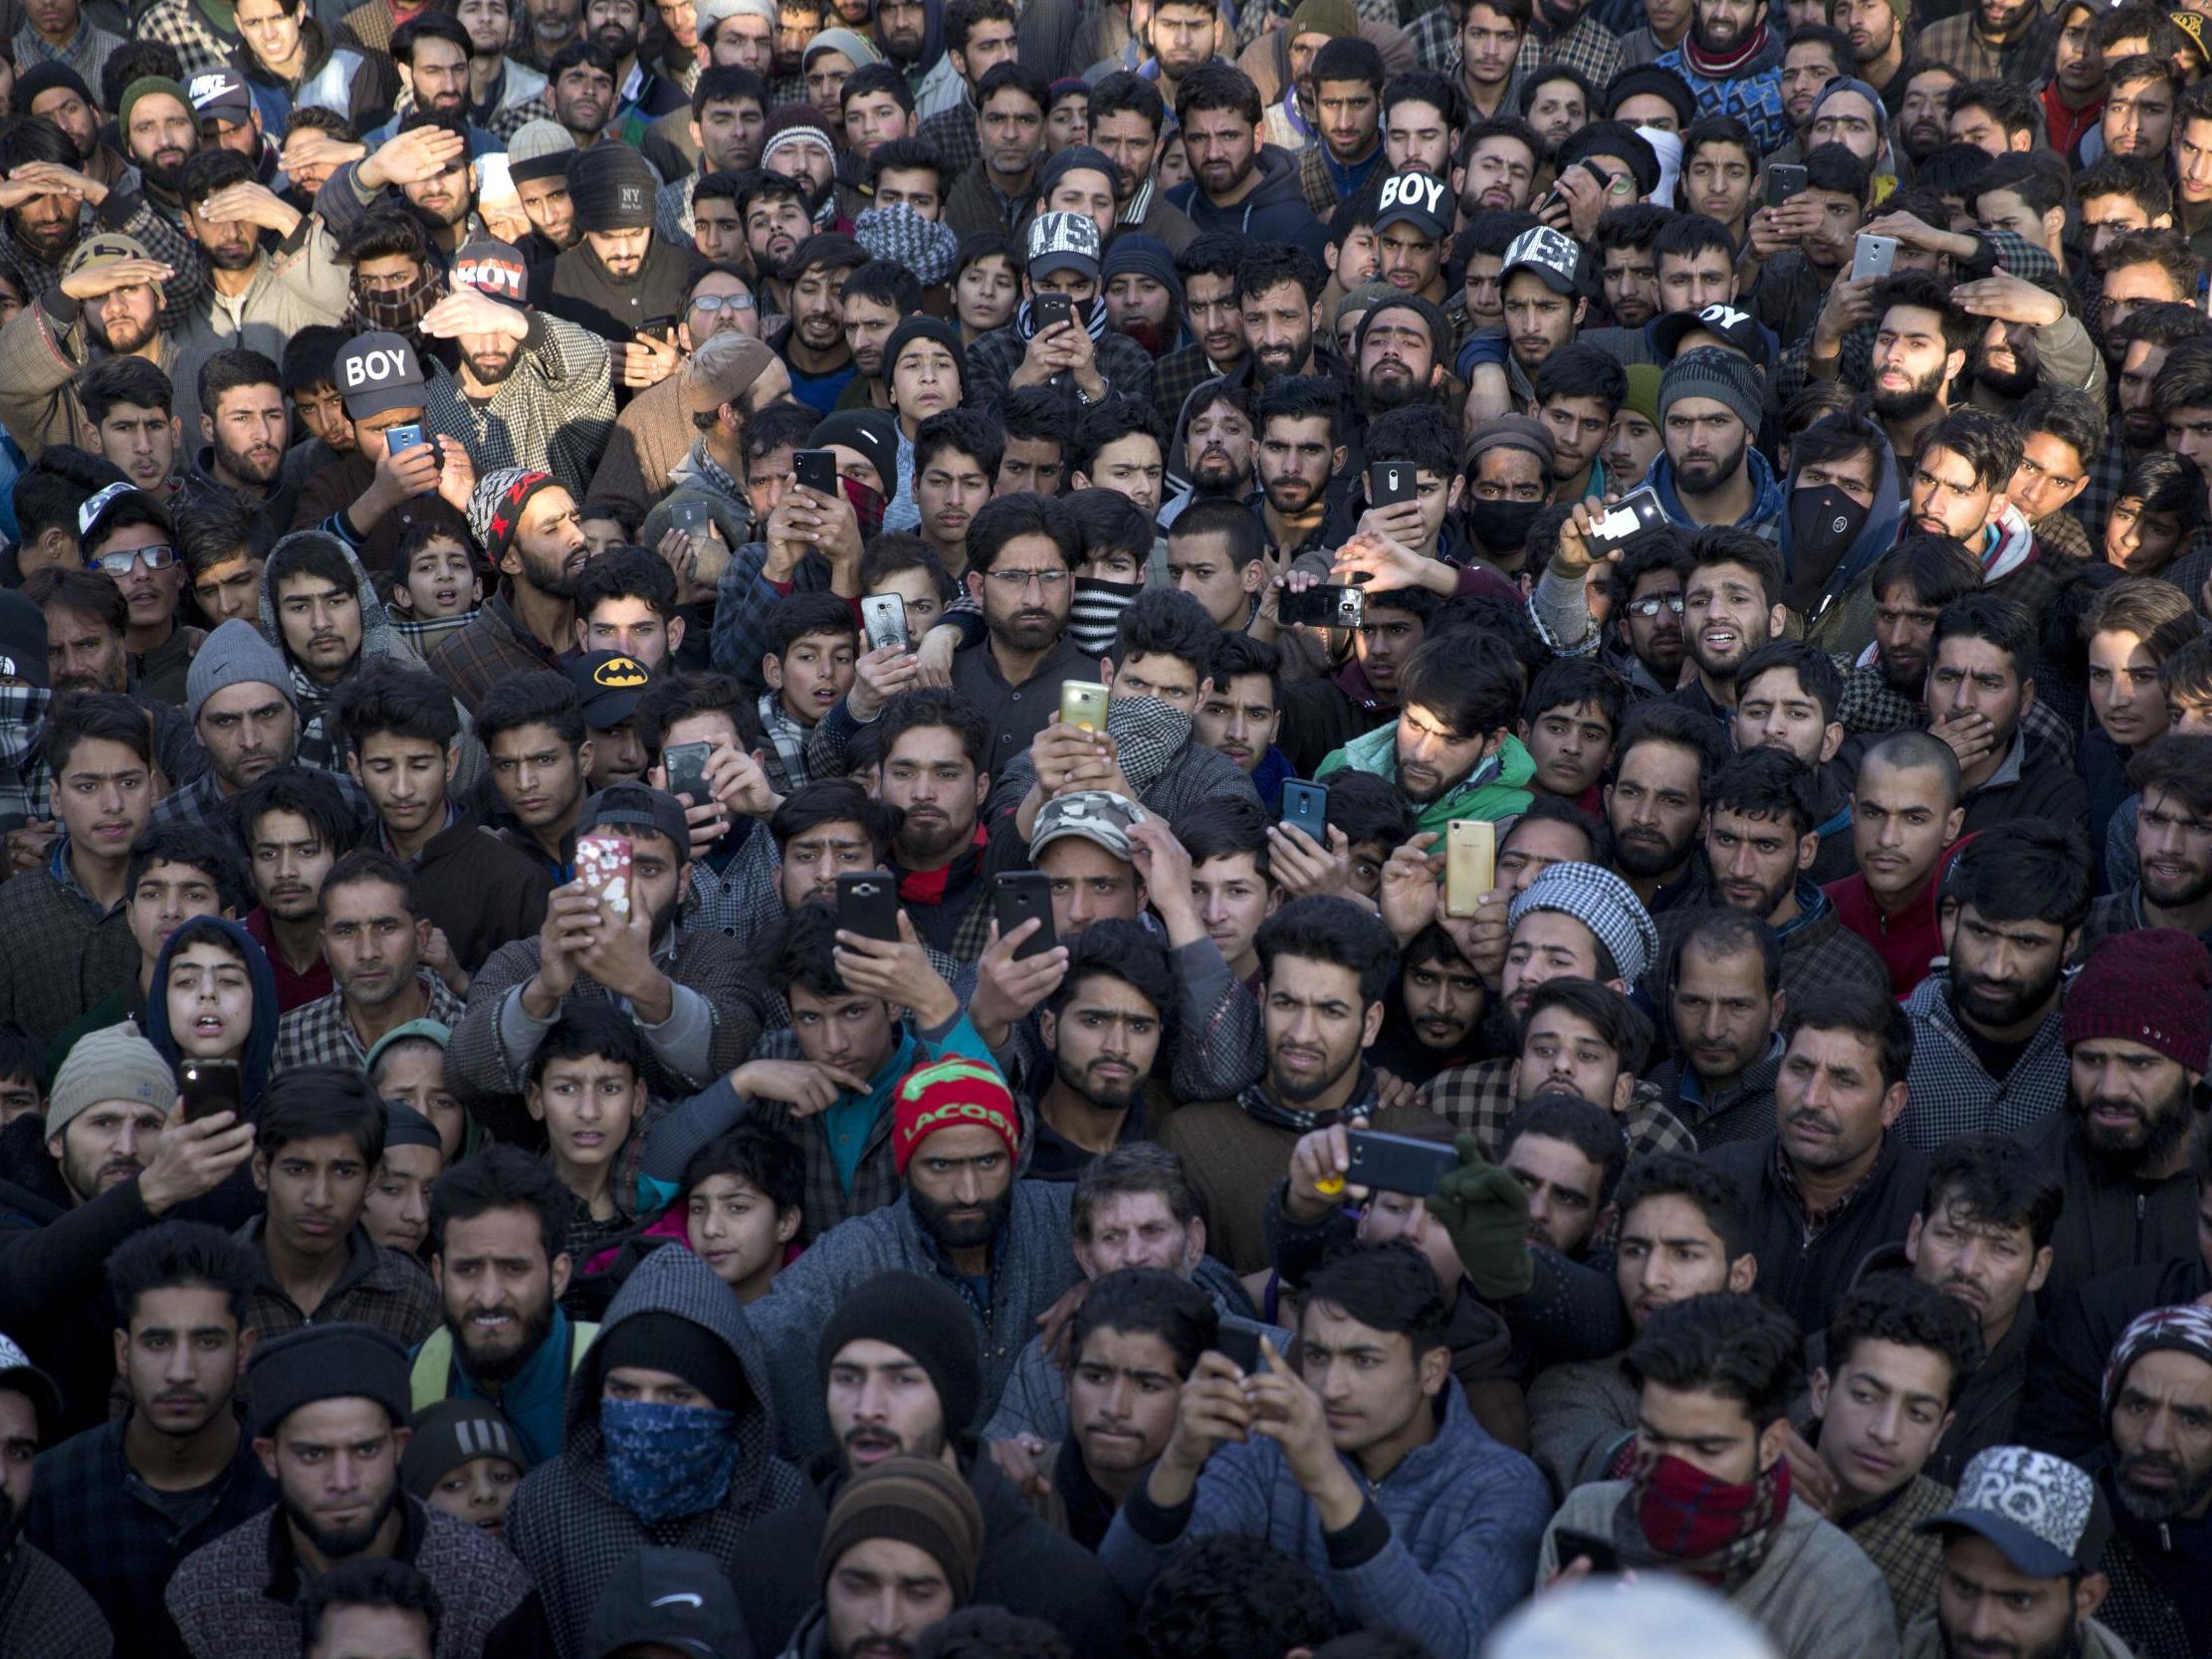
1676 1515
1263 1107
1150 734
787 738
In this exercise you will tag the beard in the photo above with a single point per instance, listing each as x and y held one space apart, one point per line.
1912 403
232 257
1296 1091
493 367
616 39
2015 382
504 1364
249 465
1996 1005
550 576
1390 391
2068 1646
342 1543
2149 1142
166 168
1907 680
965 1232
2184 1495
1645 860
1723 39
1215 474
2188 890
1103 1094
126 334
1026 630
1294 495
1699 477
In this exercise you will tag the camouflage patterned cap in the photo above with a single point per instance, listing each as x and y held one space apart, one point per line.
1097 815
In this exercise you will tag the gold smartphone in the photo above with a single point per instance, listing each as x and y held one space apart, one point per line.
1469 864
1084 704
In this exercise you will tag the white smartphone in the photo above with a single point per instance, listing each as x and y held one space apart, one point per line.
1872 255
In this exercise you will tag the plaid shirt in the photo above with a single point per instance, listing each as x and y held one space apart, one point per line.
1911 1562
1869 707
495 647
45 1613
785 755
1479 1100
958 144
202 805
740 901
1811 1222
128 212
86 53
22 708
2095 503
2062 534
184 25
319 1033
556 410
377 1287
1949 1095
1588 46
94 1514
64 952
1434 38
1175 377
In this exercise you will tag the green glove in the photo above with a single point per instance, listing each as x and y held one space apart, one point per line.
1484 1209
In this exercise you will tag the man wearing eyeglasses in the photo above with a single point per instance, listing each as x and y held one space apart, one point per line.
1021 556
130 537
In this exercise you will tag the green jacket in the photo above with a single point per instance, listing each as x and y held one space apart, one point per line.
1498 789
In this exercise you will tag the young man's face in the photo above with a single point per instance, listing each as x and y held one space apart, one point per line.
165 895
1544 946
848 1030
404 780
1239 720
1103 1041
496 1287
230 588
1370 1382
2106 219
2139 117
1807 67
1501 174
1570 743
210 1000
928 777
1443 999
1722 1011
1031 463
322 623
1562 1186
1949 499
1654 807
1710 1433
373 946
1558 111
180 1357
1691 282
587 1105
1217 450
1415 136
103 793
1578 428
1901 820
1296 462
1970 676
1775 710
141 441
1538 321
632 627
1882 1407
1121 1399
1631 285
1755 861
315 1190
1132 465
1725 612
2124 694
1991 1267
540 777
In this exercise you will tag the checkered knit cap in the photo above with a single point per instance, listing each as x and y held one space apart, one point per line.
1601 902
2186 1329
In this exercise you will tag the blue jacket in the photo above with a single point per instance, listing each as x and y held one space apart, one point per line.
1766 503
1443 1547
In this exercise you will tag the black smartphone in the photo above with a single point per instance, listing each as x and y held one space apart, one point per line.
1575 1545
1390 482
1052 309
1305 806
1636 514
209 1086
817 469
1397 1162
1784 180
868 905
1241 1343
686 765
1325 606
1017 897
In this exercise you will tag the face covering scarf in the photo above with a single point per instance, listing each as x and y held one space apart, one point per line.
667 1461
1503 526
1676 1515
867 505
397 311
1823 523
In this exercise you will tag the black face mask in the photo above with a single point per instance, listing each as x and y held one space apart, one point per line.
1503 526
1823 523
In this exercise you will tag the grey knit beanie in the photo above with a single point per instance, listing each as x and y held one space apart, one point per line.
1720 375
112 1064
235 654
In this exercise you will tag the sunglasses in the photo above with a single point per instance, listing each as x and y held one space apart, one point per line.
157 557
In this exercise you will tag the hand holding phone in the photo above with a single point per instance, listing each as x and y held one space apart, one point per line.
603 866
686 767
1305 807
209 1086
817 469
868 905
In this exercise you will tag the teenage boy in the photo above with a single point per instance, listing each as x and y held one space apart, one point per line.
1710 1491
585 1084
1731 606
1243 710
806 661
401 732
741 1197
296 825
1569 722
1905 819
1896 1357
1301 1456
531 728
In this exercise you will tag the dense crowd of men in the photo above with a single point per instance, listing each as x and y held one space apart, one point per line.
951 829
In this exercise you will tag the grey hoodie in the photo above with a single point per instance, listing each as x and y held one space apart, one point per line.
565 1524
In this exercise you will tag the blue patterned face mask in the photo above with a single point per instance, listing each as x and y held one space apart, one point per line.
665 1461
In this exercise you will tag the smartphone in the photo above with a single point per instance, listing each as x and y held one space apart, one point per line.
868 905
1574 1545
1634 514
1052 309
1397 1162
1305 806
1784 180
1325 606
400 439
1240 1342
1390 482
1084 704
209 1086
603 866
1872 255
883 619
817 469
686 765
1469 864
1019 896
